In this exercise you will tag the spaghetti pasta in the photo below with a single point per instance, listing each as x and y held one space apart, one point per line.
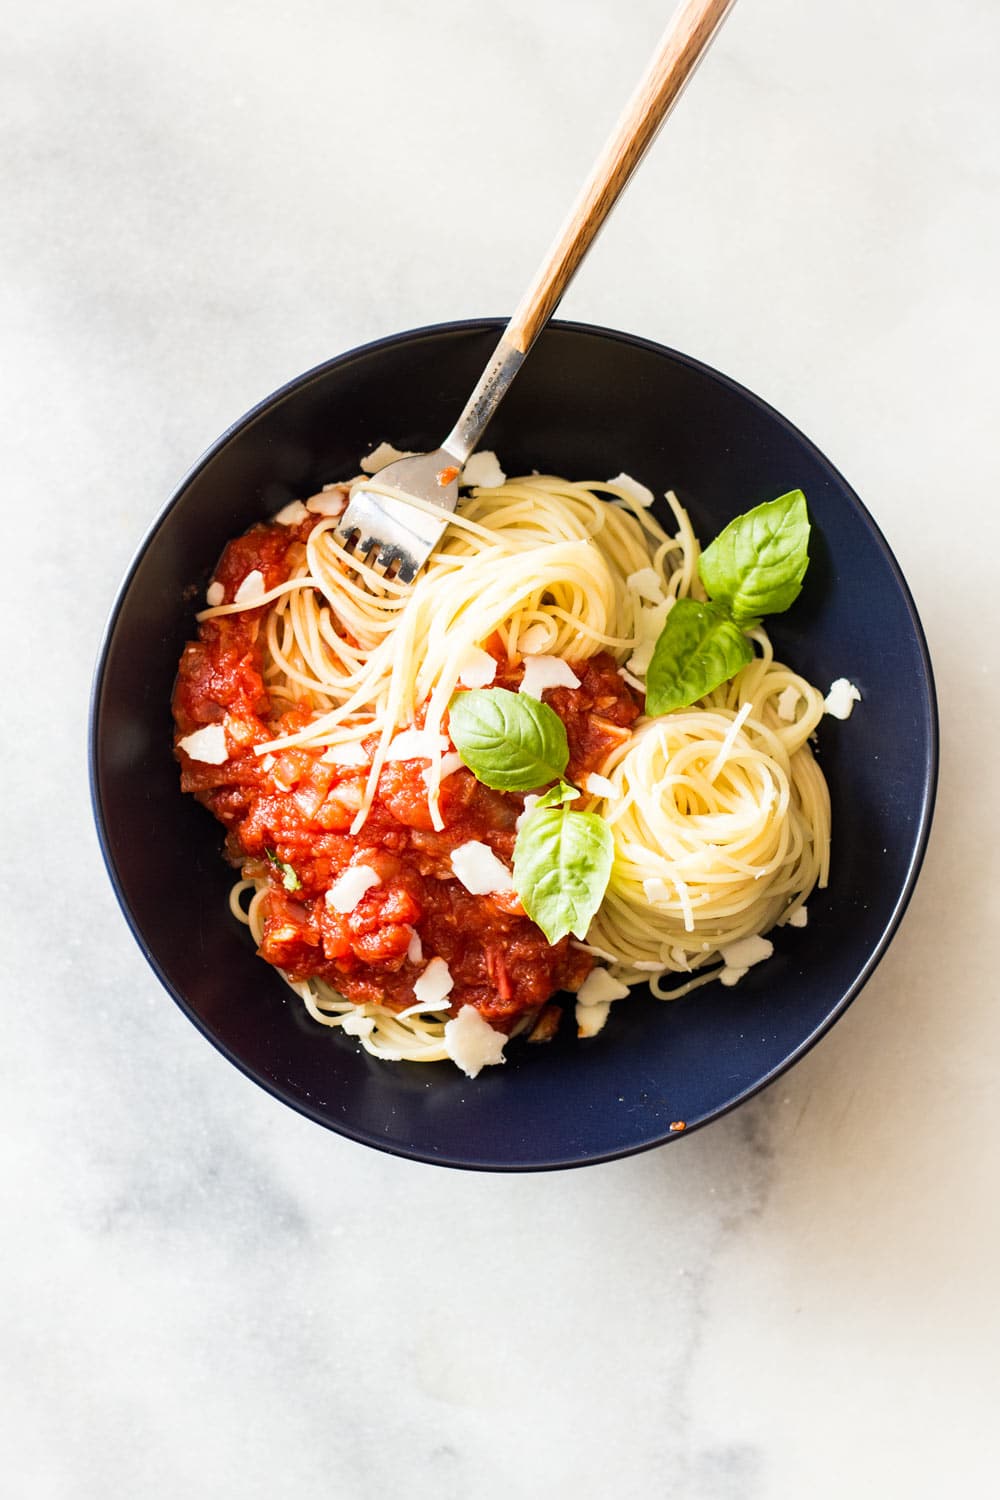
718 813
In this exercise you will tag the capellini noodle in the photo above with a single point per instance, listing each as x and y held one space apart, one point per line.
719 814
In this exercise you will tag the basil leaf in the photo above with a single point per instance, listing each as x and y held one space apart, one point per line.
289 879
756 565
699 647
562 864
556 796
510 741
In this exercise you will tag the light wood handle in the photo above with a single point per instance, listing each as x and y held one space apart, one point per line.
686 38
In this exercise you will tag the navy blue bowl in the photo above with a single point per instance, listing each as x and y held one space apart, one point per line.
588 404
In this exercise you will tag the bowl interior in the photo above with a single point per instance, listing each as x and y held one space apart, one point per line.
588 404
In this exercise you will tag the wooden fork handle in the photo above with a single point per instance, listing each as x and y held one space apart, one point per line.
685 40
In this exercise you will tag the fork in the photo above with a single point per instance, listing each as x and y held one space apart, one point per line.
394 521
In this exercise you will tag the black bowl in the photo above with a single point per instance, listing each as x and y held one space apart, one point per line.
588 404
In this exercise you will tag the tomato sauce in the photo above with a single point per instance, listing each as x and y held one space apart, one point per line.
288 817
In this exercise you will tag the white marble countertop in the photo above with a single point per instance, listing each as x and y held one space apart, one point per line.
198 1295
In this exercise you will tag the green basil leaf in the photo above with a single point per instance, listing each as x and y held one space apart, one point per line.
756 566
562 864
556 796
699 647
510 741
289 879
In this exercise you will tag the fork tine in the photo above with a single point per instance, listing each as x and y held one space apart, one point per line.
385 533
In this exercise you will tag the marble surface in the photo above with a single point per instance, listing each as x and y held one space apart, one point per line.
205 1295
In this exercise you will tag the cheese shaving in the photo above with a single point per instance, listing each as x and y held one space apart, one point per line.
479 869
636 492
534 640
350 753
435 983
840 700
647 583
416 744
483 471
544 672
448 765
472 1043
215 594
330 502
590 1019
348 889
291 514
529 803
598 786
478 668
357 1025
383 455
747 951
251 588
207 745
649 626
600 987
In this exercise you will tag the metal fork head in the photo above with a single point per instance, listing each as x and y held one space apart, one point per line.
387 533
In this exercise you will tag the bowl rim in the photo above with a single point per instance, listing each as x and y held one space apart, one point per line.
930 768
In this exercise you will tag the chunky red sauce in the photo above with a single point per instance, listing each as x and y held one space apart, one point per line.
296 811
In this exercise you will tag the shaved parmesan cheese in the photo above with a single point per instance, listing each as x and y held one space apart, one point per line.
266 762
649 625
647 583
590 1019
479 870
448 765
384 454
415 950
348 889
533 641
483 470
214 595
598 786
354 1024
471 1042
636 492
544 672
649 966
416 744
840 700
728 742
251 588
747 951
478 668
435 983
529 803
351 753
657 891
788 703
729 977
207 745
330 502
599 988
799 917
291 514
